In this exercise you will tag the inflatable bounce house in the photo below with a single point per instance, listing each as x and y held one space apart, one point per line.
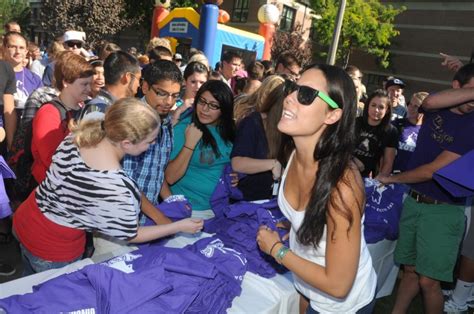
207 31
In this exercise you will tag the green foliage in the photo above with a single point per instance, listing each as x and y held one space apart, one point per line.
14 10
99 19
141 11
368 26
184 4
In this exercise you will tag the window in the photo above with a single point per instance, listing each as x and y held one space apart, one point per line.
240 11
287 18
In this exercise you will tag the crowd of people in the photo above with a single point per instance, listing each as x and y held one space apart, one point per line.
98 140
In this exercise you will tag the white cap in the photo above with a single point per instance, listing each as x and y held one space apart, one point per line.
178 56
74 35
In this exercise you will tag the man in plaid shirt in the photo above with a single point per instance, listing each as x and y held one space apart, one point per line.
161 86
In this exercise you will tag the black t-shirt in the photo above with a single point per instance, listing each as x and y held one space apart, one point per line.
371 143
7 81
251 142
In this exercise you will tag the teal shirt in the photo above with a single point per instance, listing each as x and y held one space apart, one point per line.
204 169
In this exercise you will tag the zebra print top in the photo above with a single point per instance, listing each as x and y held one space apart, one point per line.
76 196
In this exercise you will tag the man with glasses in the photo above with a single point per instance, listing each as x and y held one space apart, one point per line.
289 65
122 75
161 86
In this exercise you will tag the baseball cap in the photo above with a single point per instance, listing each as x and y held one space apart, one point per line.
74 35
178 56
394 81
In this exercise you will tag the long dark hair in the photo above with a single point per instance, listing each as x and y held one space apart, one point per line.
333 152
385 123
225 125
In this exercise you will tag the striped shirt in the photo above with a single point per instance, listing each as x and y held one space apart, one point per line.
76 196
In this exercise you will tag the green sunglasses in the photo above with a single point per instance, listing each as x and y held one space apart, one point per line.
306 95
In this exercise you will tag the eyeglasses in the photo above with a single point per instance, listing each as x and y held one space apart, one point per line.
211 105
162 94
71 44
306 95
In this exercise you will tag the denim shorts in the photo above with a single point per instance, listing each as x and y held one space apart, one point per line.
33 264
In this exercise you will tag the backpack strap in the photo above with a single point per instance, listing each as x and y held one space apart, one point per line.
60 106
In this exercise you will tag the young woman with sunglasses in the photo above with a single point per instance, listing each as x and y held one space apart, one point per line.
202 146
377 138
322 195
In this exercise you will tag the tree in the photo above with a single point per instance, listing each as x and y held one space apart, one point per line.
99 19
141 11
14 10
294 43
367 26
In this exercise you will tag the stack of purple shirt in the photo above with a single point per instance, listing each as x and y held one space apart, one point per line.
238 228
204 277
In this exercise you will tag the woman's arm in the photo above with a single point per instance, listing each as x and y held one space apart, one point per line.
10 118
150 233
387 161
152 212
342 248
177 167
249 165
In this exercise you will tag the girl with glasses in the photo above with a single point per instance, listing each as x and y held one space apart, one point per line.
322 195
202 146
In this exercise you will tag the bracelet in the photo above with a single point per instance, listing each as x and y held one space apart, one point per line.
191 149
273 246
281 253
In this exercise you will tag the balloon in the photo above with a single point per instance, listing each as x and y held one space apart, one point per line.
268 13
224 17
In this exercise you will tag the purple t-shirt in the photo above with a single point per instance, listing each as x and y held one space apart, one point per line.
441 130
406 143
26 83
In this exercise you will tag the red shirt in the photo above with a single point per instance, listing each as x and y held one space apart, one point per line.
48 132
44 238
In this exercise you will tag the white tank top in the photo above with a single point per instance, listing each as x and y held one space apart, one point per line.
363 289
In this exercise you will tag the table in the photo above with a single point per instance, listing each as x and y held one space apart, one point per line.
259 295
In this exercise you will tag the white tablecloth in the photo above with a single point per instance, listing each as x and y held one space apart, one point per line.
259 295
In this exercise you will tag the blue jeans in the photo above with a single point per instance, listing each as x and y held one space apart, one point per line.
368 309
33 264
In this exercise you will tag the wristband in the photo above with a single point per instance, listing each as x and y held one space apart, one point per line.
273 246
281 253
191 149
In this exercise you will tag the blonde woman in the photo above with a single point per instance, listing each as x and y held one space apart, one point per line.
86 190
